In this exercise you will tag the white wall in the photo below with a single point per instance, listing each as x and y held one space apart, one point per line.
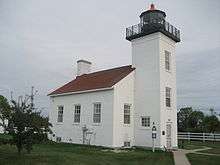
83 67
123 94
103 132
168 79
145 58
151 78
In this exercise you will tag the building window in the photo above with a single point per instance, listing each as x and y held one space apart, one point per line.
167 60
127 144
127 110
168 97
77 113
60 114
97 113
145 121
58 139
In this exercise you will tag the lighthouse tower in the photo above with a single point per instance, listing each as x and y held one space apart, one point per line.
153 43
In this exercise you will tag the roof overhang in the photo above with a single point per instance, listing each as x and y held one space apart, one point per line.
80 92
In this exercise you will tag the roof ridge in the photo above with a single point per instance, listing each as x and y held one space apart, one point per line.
95 80
105 70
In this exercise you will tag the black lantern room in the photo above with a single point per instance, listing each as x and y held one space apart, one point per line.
152 21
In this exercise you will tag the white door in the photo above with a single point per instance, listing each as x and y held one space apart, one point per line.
168 137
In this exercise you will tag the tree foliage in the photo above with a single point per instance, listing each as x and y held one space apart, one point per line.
5 112
26 126
211 124
195 121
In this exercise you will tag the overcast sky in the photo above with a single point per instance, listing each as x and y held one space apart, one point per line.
41 40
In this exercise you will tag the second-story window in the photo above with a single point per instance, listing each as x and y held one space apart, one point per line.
97 113
168 97
77 113
127 108
167 60
60 114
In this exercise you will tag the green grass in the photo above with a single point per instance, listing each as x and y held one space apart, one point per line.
5 136
198 144
70 154
212 151
196 159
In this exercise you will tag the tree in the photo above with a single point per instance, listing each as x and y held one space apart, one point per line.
211 123
183 118
189 120
5 112
26 126
195 120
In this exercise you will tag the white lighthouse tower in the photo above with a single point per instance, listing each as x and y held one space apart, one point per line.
153 55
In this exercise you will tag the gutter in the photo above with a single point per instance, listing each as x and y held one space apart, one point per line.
79 92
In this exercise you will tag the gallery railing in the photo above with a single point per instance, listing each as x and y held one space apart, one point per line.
151 27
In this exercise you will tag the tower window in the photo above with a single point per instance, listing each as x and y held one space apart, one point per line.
145 121
60 114
127 115
168 97
167 60
97 113
77 113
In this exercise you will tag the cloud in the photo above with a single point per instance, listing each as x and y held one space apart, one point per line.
198 78
42 40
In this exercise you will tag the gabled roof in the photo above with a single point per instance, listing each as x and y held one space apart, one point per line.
97 80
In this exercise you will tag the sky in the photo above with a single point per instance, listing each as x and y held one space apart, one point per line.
41 40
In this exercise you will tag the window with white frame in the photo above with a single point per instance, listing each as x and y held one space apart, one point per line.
168 97
145 121
167 60
60 114
127 111
77 113
97 113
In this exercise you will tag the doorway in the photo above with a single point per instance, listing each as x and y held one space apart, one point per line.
169 136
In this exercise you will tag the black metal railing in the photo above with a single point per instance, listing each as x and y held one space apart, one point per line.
151 27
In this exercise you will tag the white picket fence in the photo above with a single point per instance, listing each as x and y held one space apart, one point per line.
198 136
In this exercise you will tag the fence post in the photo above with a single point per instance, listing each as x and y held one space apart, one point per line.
203 137
188 137
213 137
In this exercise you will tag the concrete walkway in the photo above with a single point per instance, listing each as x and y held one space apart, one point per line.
180 155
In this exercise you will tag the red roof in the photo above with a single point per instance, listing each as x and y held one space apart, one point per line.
96 80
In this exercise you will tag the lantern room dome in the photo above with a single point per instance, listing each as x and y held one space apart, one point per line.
152 21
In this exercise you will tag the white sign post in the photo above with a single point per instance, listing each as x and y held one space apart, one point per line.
154 136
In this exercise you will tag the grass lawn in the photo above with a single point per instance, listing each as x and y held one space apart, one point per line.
72 154
198 144
4 136
196 159
212 151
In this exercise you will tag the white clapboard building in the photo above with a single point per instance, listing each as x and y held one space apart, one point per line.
118 107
